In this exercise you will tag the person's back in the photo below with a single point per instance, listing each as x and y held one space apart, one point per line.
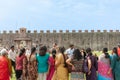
60 68
77 64
115 65
4 69
42 60
19 62
93 69
42 63
78 69
51 71
9 65
92 65
94 62
104 68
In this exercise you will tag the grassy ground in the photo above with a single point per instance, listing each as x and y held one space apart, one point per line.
100 52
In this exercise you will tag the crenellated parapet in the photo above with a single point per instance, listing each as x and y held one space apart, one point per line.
60 31
96 39
48 31
35 31
54 31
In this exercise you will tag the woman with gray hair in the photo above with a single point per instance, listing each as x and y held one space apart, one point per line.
4 69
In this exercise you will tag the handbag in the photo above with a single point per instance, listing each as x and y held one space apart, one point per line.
85 66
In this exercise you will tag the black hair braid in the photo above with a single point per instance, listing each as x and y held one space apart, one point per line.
62 50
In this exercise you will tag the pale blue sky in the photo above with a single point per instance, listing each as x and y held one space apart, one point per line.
60 14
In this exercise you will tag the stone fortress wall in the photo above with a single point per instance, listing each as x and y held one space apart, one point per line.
81 39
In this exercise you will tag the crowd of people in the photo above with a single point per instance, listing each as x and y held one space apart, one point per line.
59 63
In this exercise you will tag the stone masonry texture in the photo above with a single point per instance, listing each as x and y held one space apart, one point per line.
81 39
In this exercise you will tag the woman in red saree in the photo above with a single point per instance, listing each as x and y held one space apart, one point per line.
4 68
51 62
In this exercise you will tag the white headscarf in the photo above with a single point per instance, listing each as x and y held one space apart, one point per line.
3 52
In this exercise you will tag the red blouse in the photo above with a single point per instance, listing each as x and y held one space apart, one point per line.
19 62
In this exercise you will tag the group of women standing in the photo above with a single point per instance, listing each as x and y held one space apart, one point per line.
26 66
109 65
53 65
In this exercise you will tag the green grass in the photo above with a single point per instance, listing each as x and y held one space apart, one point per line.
100 52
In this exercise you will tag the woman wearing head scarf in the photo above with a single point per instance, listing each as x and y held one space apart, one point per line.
4 66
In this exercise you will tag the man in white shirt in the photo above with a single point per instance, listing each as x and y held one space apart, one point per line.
12 56
69 51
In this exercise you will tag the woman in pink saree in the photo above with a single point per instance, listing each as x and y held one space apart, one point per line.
51 62
4 67
104 69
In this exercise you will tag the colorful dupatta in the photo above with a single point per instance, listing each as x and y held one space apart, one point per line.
103 69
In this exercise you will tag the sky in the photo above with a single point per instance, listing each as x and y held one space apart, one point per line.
60 14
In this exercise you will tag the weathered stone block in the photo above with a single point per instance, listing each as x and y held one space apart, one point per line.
79 30
67 31
10 31
4 32
16 31
48 31
104 30
92 31
61 31
41 31
54 31
117 30
29 31
35 31
73 31
111 30
98 31
86 31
